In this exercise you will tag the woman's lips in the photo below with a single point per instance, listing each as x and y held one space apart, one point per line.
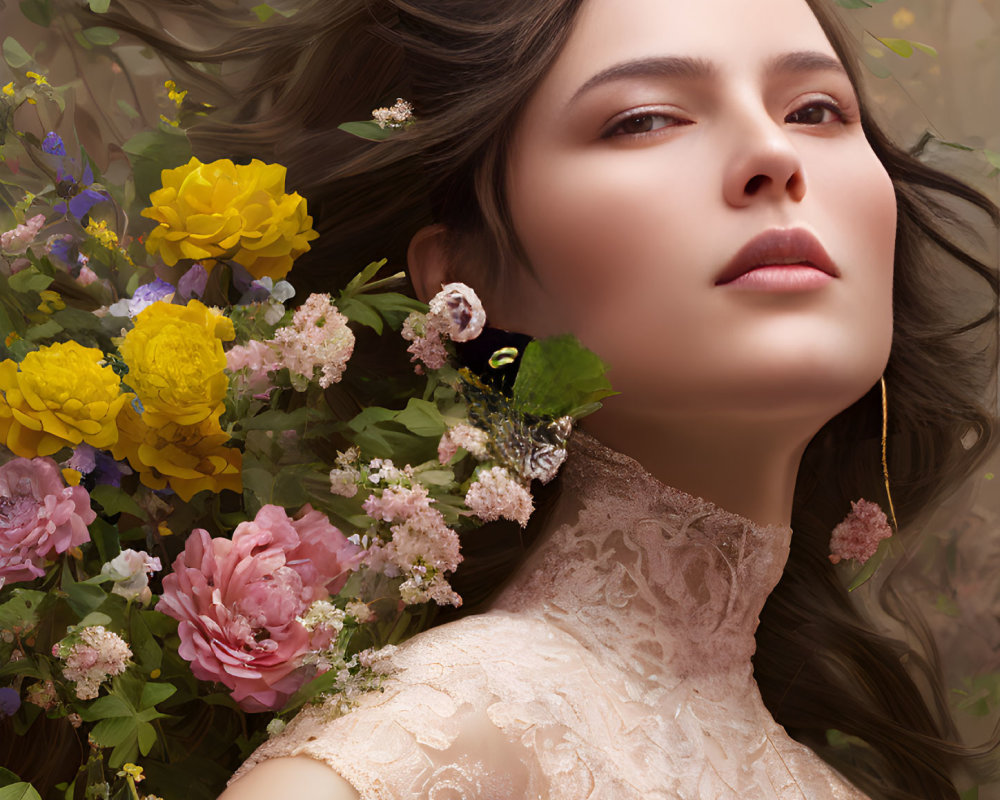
780 260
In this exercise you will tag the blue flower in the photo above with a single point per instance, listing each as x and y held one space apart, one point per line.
53 144
10 702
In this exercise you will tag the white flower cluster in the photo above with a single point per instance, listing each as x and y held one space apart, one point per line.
92 655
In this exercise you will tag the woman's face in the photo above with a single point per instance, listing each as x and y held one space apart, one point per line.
666 137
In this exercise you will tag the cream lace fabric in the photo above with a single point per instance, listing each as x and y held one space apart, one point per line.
615 666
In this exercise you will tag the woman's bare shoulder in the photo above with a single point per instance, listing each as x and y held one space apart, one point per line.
312 779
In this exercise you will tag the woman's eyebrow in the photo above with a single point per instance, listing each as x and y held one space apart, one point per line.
688 68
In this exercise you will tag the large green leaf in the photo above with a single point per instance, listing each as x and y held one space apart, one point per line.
19 791
559 376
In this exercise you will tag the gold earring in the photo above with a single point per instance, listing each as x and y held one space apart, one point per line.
885 466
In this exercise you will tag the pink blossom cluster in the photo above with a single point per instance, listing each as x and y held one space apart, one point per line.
92 656
17 240
455 313
255 360
467 437
238 601
39 516
495 494
422 546
318 339
858 536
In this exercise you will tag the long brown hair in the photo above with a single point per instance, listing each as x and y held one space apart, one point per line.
469 66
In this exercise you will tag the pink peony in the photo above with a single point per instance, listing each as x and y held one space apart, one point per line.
237 601
858 535
39 515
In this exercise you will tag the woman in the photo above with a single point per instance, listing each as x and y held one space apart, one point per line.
696 192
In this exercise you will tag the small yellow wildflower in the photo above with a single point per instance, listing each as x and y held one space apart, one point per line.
8 89
100 231
132 771
40 80
175 122
11 338
176 96
72 476
51 302
164 530
156 673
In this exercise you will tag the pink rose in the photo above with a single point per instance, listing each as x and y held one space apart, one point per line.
39 515
237 601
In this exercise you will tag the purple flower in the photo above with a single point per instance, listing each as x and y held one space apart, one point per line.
53 144
193 282
144 296
85 199
10 702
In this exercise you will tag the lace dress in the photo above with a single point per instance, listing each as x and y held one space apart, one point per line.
616 665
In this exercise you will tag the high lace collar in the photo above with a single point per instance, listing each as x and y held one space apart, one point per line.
667 585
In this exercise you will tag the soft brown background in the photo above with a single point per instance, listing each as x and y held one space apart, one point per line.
953 568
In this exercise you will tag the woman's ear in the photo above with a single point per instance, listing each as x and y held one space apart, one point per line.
427 260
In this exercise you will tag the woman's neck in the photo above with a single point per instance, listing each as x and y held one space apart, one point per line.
747 467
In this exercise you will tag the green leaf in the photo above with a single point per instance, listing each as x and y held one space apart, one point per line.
905 47
15 55
100 35
360 312
107 707
127 109
23 609
114 500
369 129
992 158
7 777
359 281
99 6
422 418
154 693
559 376
150 152
48 329
147 737
104 535
38 11
30 280
264 12
145 649
112 732
19 791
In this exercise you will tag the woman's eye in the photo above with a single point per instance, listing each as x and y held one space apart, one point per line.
639 124
815 114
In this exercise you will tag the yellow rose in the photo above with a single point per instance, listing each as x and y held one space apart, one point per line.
234 211
187 458
176 364
59 396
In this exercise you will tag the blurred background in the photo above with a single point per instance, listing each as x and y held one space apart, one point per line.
940 95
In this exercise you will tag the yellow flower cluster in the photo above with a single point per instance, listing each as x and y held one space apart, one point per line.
59 396
223 210
177 370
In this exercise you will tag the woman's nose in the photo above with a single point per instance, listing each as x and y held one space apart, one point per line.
764 165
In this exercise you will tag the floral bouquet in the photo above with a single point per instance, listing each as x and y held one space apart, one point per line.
201 528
